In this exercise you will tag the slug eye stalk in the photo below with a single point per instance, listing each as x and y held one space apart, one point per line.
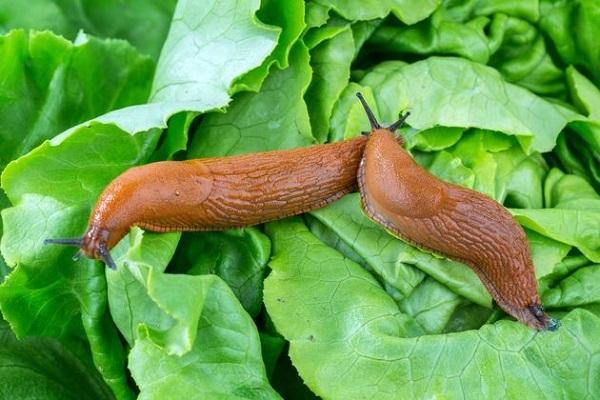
373 121
79 242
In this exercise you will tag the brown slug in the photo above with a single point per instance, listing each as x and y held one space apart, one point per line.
231 192
219 193
451 220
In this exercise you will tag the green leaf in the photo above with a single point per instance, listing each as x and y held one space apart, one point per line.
289 16
435 139
458 93
191 74
586 144
239 257
572 27
288 383
274 118
4 270
51 84
41 15
451 169
189 62
561 188
271 347
42 368
441 34
316 14
501 34
569 155
176 321
546 253
576 226
523 58
224 360
130 303
432 305
142 23
347 337
107 350
574 216
585 95
580 288
176 138
407 11
396 262
330 62
47 294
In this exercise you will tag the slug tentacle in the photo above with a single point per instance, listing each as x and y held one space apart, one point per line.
393 127
370 115
89 246
459 223
106 257
65 241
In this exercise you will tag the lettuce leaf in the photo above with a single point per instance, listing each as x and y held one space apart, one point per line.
46 294
29 370
183 322
348 338
142 23
504 100
55 84
455 92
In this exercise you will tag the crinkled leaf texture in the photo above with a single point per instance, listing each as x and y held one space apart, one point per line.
51 84
143 23
238 256
209 45
190 336
43 368
274 118
348 339
407 11
454 92
53 188
573 216
225 359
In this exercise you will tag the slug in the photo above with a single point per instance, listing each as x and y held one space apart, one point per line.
219 193
448 219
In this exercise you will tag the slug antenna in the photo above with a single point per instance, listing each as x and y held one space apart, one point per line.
77 242
398 123
372 119
106 257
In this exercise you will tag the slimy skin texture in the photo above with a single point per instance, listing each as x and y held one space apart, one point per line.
219 193
456 222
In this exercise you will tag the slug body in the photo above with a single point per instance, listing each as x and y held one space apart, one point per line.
459 223
219 193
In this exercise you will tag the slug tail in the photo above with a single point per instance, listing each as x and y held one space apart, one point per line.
540 320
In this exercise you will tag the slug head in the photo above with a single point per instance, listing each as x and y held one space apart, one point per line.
94 244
